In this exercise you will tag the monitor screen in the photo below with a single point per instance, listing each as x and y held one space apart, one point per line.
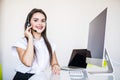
96 38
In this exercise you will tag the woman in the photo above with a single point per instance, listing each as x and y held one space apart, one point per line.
35 51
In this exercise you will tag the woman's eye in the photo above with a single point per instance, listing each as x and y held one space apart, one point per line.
43 20
35 20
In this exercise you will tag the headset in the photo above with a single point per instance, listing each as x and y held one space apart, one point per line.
28 25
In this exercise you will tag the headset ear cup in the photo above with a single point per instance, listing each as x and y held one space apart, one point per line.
28 22
28 25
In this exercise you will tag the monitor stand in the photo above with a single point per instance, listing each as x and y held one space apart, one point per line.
93 67
94 61
109 64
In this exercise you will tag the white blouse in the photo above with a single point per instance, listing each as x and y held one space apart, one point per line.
41 61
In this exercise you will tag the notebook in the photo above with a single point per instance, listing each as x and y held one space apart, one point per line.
77 60
77 64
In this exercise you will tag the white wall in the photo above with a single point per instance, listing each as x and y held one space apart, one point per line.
113 29
68 24
0 34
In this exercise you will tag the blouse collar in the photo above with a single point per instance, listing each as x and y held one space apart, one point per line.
41 39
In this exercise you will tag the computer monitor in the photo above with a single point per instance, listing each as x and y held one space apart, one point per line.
96 39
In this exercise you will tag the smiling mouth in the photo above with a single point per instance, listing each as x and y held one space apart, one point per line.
39 27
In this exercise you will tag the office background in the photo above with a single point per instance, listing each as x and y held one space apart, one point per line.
67 25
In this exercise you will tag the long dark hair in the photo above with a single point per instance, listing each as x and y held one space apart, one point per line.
29 16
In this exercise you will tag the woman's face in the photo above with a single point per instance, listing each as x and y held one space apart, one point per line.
38 22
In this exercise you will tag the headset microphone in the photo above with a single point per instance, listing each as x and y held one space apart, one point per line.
28 25
34 30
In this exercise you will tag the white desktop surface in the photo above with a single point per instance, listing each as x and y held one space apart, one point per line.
65 76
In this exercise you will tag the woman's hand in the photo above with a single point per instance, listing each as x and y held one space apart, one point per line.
28 33
56 69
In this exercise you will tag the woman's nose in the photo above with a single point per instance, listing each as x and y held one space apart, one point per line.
40 22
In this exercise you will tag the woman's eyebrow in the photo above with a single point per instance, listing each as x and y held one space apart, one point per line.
38 18
35 18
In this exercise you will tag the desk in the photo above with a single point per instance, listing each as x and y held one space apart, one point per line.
65 76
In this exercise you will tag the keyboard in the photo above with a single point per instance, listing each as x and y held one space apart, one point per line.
70 68
76 75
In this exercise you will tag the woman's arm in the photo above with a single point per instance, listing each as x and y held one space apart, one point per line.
27 56
54 64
